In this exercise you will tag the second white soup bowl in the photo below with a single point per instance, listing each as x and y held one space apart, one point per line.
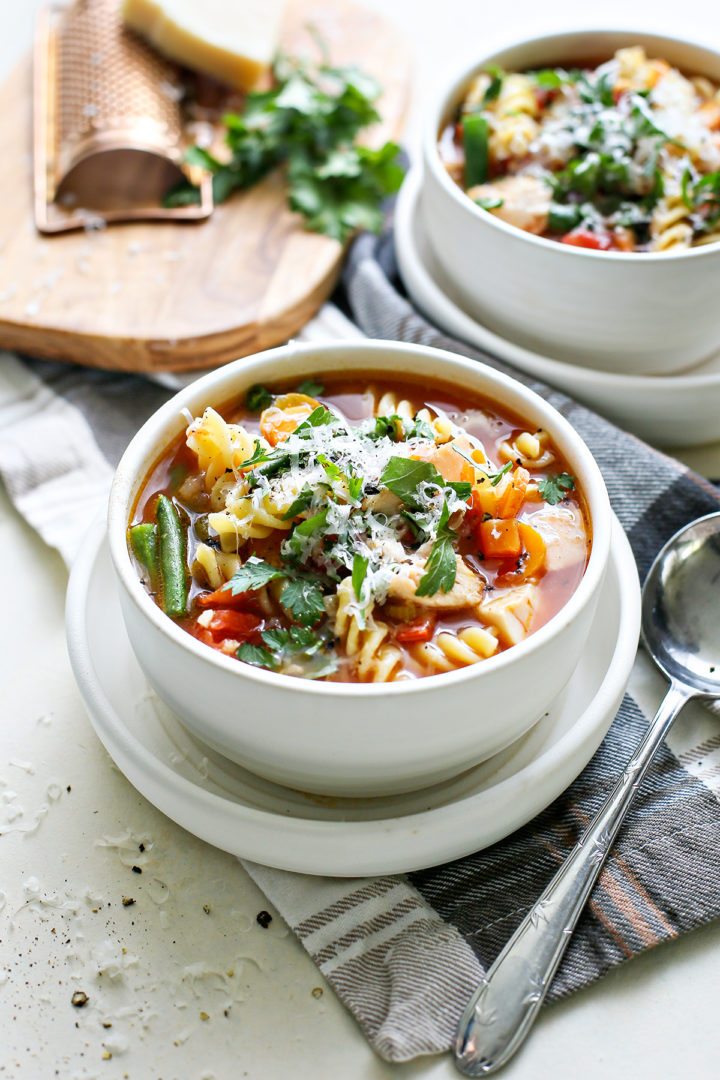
354 738
639 313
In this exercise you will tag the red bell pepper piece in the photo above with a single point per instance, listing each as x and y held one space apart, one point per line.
223 598
420 629
584 238
241 625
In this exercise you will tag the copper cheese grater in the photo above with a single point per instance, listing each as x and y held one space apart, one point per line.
108 123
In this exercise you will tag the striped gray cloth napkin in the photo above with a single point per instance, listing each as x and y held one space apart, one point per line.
405 952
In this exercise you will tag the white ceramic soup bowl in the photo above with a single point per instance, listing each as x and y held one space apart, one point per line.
639 313
347 738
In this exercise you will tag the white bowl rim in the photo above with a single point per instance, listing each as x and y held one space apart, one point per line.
145 446
449 96
408 207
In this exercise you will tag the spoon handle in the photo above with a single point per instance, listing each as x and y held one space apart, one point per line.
501 1012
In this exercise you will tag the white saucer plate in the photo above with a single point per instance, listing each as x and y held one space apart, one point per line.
239 812
670 410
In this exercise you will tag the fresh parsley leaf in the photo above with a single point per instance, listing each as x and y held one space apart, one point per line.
596 91
310 387
312 524
386 427
258 398
304 644
183 193
256 655
308 121
253 574
277 462
496 80
358 85
555 488
395 427
276 638
548 78
309 640
402 476
297 95
605 90
591 173
258 455
293 547
705 197
495 478
417 429
344 193
198 155
708 186
301 503
303 638
355 486
297 642
585 173
304 600
632 215
419 524
645 122
294 639
332 471
319 417
562 217
359 573
656 191
441 567
462 488
225 181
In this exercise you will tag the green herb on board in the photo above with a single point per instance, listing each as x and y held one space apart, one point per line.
308 122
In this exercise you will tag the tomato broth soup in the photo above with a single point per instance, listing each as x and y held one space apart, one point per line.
360 529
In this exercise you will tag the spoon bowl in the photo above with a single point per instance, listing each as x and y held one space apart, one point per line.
680 609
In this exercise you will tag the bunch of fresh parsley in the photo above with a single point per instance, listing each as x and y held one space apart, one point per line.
308 122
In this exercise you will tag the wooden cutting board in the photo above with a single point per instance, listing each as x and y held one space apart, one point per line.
161 296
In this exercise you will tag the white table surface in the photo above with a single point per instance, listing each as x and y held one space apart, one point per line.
175 1009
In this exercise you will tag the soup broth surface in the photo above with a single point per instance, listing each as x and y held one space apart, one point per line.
361 529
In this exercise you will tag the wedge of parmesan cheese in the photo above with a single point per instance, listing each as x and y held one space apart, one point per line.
232 40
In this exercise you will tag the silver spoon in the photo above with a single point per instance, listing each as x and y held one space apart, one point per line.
681 631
